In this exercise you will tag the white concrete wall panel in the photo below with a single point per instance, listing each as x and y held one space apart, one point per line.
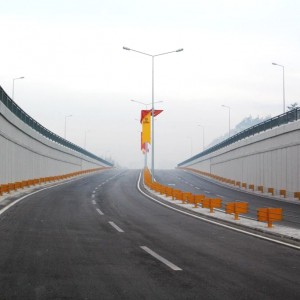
271 159
26 154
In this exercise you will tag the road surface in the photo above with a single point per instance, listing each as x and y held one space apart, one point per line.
98 237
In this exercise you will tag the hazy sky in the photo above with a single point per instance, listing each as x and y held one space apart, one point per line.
70 52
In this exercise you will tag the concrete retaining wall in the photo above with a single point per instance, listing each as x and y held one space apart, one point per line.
26 154
270 159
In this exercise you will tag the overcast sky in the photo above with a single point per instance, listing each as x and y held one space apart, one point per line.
71 55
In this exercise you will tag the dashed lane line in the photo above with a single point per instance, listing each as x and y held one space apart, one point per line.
94 202
115 226
161 259
99 211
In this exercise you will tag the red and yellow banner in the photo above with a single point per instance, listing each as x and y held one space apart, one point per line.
146 127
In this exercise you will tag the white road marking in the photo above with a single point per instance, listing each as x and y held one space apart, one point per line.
160 258
93 196
115 226
100 212
215 222
219 196
207 192
94 202
197 188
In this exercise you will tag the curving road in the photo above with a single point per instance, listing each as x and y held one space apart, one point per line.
99 238
187 181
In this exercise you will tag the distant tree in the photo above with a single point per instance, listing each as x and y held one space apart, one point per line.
293 106
243 125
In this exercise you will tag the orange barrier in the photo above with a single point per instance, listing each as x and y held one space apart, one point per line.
269 215
236 208
212 203
6 188
169 191
260 188
282 193
174 194
271 191
178 195
198 199
297 195
186 196
244 185
251 187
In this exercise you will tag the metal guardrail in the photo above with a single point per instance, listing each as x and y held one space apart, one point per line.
22 115
279 120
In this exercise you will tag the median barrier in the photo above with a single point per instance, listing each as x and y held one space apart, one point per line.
198 199
186 196
212 203
251 187
169 191
282 193
260 188
236 208
271 191
269 215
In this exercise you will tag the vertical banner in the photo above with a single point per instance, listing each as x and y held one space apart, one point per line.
146 129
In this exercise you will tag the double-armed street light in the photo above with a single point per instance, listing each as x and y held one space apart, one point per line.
283 84
152 56
13 86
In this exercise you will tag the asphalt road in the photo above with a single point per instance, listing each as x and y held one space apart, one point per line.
99 238
187 181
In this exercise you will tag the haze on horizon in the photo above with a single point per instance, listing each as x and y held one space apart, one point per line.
71 55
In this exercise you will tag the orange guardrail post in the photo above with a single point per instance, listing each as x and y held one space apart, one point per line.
236 208
260 188
198 199
212 203
185 197
169 191
174 193
269 215
178 195
282 193
251 187
297 195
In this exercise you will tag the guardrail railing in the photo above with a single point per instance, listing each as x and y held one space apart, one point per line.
22 115
279 120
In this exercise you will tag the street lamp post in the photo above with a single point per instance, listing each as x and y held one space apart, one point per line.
202 136
146 144
65 135
146 104
13 86
191 145
228 118
283 84
152 56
